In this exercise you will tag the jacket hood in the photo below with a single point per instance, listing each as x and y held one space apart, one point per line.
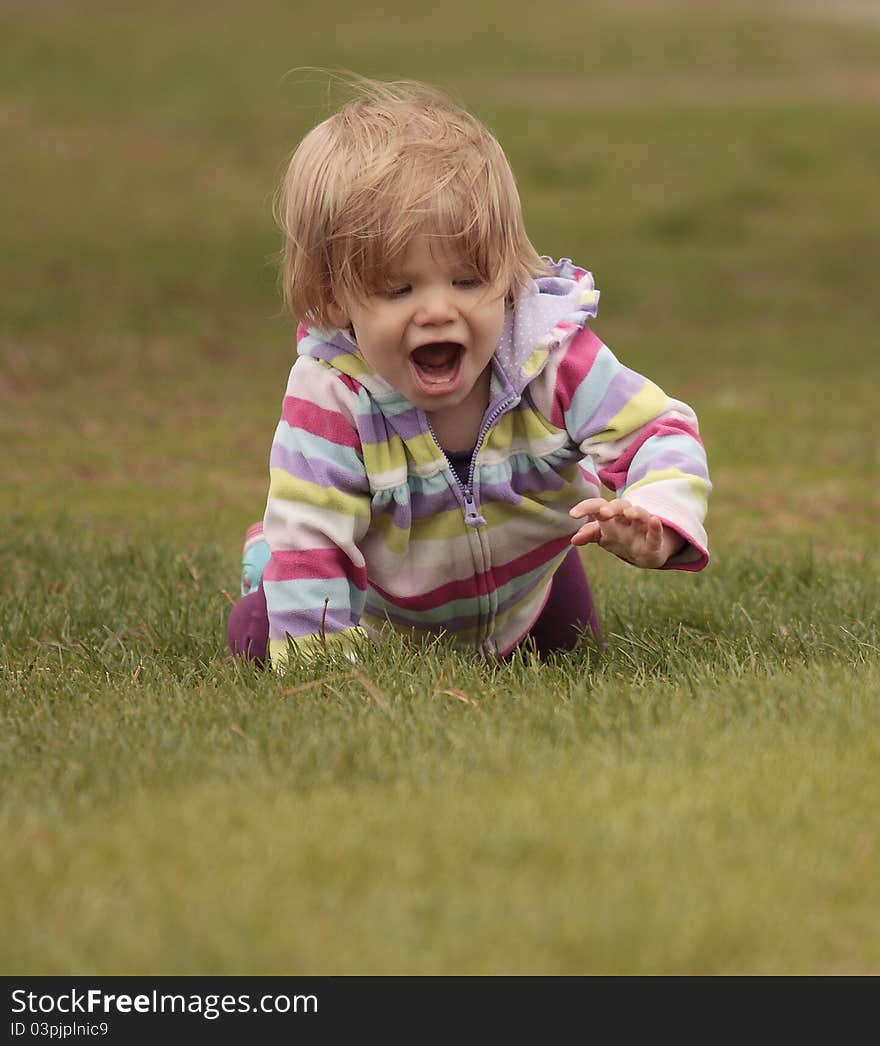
544 318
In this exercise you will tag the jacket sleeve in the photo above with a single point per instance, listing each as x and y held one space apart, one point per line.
640 443
317 512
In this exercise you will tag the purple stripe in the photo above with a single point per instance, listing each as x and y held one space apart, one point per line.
372 427
670 459
625 385
416 507
522 485
315 470
376 428
495 492
316 349
424 505
300 623
535 482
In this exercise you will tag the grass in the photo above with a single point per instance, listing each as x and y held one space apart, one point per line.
696 798
700 795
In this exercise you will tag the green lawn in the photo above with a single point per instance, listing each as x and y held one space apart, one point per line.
699 796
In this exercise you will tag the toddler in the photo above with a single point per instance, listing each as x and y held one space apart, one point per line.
451 415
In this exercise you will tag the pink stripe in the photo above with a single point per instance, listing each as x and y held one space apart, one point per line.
253 531
614 476
301 564
469 588
573 368
328 424
589 478
478 584
531 560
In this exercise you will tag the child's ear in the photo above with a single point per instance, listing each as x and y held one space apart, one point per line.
338 316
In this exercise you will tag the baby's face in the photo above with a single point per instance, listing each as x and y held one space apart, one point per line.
433 333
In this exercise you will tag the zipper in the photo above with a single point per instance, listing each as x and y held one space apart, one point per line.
472 516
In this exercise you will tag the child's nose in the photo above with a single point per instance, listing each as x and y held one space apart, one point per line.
435 308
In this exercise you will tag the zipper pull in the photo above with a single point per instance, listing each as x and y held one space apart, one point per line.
471 516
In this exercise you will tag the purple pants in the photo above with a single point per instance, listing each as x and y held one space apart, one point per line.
568 611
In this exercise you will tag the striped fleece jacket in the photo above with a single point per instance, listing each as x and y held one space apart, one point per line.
369 525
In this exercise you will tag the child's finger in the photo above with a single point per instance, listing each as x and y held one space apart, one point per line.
589 533
614 509
587 508
654 534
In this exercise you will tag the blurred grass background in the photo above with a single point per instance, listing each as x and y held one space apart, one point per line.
716 167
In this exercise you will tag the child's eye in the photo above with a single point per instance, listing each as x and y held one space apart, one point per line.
398 292
471 281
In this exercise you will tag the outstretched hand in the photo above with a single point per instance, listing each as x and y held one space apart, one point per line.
627 530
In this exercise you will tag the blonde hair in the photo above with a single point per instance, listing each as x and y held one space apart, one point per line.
397 160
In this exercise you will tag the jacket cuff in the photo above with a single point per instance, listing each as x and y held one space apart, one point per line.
692 556
309 649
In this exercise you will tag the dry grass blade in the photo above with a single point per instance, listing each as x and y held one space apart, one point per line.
192 570
236 729
459 695
371 688
302 688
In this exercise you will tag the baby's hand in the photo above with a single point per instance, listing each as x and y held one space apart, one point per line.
628 531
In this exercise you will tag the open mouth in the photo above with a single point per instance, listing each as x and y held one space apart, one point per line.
436 367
